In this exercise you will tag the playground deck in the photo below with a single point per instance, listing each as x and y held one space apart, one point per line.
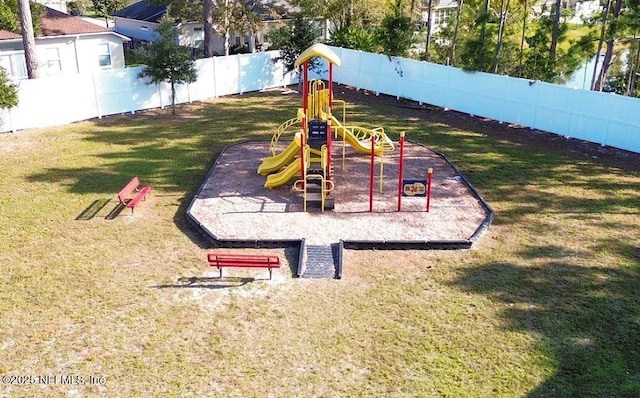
232 204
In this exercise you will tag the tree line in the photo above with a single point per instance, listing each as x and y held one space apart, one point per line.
524 38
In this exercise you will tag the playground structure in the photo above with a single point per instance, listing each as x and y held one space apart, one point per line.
234 197
309 154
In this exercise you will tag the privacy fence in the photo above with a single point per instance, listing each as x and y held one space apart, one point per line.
602 118
59 100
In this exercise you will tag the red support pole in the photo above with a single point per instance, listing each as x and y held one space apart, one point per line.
400 170
429 174
305 94
371 176
329 141
330 88
330 129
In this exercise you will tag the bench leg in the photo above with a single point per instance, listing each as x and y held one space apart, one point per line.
270 273
220 269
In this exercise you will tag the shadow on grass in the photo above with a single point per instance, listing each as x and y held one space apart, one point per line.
586 316
174 154
194 282
168 153
92 210
115 212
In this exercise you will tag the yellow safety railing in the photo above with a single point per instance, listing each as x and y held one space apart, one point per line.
326 185
364 134
276 136
344 110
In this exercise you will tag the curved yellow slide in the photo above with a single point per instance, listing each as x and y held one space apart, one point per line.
352 140
275 163
277 179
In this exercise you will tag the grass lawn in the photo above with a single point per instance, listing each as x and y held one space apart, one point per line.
546 304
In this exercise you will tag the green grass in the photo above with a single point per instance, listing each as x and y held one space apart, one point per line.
546 304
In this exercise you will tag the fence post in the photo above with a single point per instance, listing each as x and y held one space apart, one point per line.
239 74
215 86
159 85
96 98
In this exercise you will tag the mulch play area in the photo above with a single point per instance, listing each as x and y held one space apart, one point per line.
233 206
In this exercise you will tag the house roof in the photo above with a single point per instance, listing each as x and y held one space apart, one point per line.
6 35
142 11
56 23
148 12
446 4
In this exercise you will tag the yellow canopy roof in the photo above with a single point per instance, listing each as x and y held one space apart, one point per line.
318 50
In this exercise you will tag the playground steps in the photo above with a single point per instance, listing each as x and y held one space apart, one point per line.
321 261
314 194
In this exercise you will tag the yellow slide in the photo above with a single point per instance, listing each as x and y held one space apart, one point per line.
362 146
275 163
277 179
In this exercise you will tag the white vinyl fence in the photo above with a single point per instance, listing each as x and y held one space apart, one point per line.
602 118
59 100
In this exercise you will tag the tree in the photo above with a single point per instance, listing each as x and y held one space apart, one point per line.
522 37
222 17
105 8
555 31
504 10
345 13
8 91
10 16
292 39
429 29
208 28
166 61
613 31
28 38
484 19
353 37
395 35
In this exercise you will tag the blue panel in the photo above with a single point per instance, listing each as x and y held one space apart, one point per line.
624 124
552 108
589 115
227 75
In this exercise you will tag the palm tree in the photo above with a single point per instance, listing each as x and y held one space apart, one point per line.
28 39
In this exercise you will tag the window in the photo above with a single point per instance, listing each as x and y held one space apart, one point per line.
104 55
52 60
15 64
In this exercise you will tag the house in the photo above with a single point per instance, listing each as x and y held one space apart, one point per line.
60 5
140 22
579 11
67 45
583 11
441 11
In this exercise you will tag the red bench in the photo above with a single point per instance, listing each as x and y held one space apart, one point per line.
131 187
243 260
